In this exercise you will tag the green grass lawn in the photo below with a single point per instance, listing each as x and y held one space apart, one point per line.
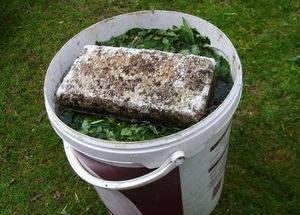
263 169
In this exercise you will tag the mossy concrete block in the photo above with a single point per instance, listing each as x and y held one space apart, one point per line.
139 83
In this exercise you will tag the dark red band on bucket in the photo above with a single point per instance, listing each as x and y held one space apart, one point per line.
160 197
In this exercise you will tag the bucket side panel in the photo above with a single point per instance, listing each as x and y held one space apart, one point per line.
202 177
160 197
117 203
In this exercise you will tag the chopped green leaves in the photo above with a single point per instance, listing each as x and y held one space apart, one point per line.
109 128
126 131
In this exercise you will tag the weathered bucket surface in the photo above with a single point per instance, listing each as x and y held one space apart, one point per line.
178 174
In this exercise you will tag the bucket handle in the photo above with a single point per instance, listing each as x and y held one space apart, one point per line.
172 162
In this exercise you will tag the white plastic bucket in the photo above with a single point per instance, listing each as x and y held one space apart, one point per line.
177 174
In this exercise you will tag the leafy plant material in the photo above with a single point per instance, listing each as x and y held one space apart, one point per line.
183 39
109 128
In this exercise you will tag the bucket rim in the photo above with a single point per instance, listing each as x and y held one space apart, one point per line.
201 126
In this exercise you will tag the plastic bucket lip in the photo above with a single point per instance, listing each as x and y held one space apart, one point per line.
201 126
